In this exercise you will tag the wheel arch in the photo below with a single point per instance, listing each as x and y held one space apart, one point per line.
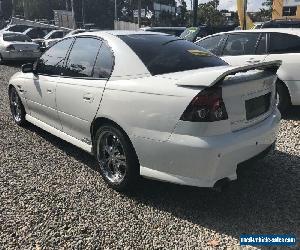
99 121
286 87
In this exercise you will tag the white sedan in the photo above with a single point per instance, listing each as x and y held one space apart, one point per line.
16 46
152 105
262 45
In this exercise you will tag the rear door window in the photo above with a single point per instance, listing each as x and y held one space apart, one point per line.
284 43
104 62
241 44
163 54
82 57
212 44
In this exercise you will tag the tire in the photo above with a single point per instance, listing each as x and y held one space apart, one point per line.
16 106
283 97
116 157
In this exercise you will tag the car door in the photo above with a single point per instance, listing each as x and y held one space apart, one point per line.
244 48
41 91
80 92
213 43
286 47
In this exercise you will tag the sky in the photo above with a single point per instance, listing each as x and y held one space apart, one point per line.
253 5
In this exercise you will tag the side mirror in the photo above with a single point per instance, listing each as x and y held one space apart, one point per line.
27 68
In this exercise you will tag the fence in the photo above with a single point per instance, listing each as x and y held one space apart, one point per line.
120 25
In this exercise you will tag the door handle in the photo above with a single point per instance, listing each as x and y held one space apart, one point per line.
253 61
49 91
88 98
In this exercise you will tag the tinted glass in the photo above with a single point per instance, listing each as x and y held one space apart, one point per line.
163 54
58 34
82 57
36 33
281 24
284 43
241 44
16 38
52 62
212 44
104 63
261 47
18 28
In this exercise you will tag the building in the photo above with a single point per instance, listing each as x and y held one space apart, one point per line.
286 9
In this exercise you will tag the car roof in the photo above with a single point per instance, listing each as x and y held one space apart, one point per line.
291 31
116 33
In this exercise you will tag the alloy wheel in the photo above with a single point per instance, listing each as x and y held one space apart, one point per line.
111 157
16 105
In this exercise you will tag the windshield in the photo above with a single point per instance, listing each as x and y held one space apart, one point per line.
189 34
167 54
15 38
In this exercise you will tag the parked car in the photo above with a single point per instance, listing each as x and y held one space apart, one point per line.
16 28
193 34
281 23
37 32
16 46
176 31
50 39
255 46
175 113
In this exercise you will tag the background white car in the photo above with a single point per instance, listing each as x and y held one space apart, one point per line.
16 46
254 46
50 39
150 104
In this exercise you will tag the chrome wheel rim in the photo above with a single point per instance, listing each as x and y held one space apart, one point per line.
15 104
111 157
277 99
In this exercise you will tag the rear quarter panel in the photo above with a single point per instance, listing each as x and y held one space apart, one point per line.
148 107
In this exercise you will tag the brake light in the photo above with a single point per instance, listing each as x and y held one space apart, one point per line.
207 106
10 48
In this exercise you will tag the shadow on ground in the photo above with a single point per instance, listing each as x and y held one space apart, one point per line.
264 199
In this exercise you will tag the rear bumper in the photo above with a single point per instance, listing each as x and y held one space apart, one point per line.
201 162
21 55
294 90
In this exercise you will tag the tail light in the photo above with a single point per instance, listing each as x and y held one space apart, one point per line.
207 106
10 48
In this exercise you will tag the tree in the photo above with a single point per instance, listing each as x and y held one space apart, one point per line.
268 4
209 14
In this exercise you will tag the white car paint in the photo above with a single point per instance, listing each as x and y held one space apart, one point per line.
148 108
289 71
26 50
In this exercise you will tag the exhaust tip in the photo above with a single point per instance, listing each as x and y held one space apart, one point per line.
221 184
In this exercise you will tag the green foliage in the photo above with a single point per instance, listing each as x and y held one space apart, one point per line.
209 14
268 4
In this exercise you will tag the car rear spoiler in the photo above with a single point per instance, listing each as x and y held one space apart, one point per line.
211 76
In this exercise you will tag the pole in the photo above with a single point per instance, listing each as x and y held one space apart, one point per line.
116 11
245 15
195 13
73 14
13 8
139 13
82 12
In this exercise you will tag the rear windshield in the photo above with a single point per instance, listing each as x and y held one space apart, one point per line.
164 54
16 38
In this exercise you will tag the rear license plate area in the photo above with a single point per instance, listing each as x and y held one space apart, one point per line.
257 106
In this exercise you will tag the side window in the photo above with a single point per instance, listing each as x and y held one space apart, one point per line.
58 34
212 44
105 62
284 43
82 57
52 62
262 45
241 44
